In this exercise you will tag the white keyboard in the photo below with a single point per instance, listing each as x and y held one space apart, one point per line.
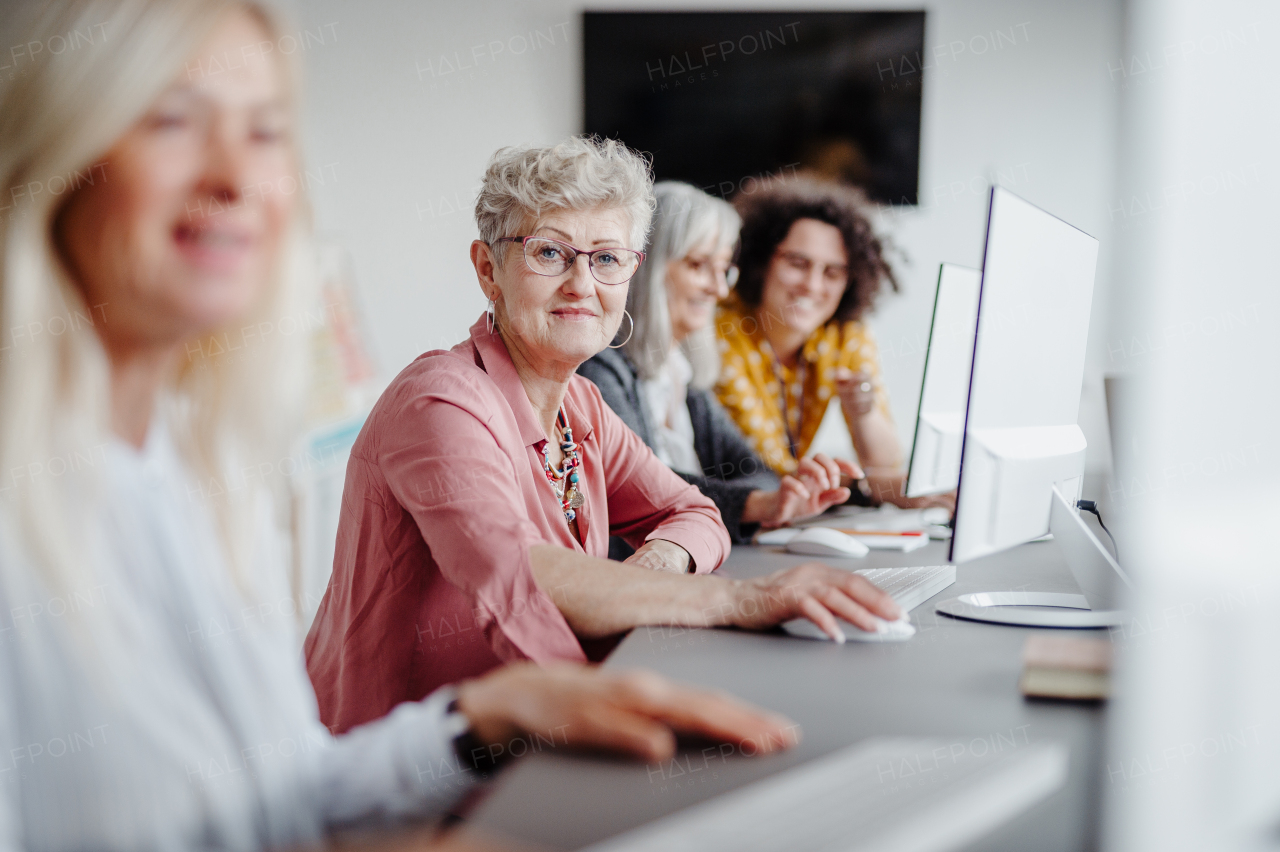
880 795
910 587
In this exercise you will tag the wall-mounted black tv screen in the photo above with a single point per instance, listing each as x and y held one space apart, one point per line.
722 99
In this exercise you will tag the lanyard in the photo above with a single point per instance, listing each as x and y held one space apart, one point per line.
792 444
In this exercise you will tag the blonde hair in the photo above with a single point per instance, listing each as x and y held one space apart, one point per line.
579 173
56 121
686 217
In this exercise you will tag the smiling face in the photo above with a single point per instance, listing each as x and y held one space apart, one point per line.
557 322
695 283
182 233
806 277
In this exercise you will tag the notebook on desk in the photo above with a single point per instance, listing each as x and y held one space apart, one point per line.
904 542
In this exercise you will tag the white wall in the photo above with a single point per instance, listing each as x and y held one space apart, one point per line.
408 133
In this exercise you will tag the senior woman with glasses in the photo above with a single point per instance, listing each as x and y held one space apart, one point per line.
658 381
482 491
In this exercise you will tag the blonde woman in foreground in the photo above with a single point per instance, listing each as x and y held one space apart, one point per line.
151 691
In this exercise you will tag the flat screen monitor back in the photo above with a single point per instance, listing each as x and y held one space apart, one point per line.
944 390
1021 435
732 102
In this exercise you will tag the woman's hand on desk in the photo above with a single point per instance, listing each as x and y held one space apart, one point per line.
814 591
813 489
638 712
890 486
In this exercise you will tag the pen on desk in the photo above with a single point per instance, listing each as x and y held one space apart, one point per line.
916 533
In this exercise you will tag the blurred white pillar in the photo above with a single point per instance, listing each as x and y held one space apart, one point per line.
1193 759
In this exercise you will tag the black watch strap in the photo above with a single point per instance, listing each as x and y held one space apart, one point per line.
471 753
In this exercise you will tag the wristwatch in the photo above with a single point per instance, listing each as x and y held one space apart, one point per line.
471 753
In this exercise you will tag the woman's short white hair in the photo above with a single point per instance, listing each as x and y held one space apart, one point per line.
686 218
580 173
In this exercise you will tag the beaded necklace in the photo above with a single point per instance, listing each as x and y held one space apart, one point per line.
565 480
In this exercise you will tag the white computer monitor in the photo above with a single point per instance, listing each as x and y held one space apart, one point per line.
944 391
1022 458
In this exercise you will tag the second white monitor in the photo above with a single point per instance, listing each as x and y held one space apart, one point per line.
944 391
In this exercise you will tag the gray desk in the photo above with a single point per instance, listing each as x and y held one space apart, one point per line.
954 679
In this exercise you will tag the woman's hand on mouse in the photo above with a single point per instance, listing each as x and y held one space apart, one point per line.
814 591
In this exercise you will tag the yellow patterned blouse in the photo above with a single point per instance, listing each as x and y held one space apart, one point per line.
753 384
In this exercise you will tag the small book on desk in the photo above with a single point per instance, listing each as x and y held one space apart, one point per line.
1071 668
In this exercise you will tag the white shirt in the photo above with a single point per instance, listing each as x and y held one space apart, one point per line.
196 727
666 397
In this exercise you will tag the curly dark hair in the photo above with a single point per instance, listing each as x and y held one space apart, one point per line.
767 217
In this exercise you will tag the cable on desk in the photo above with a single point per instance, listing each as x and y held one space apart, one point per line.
1092 507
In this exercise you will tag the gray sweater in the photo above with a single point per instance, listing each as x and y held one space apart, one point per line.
730 469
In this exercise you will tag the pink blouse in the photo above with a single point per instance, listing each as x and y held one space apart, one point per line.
444 496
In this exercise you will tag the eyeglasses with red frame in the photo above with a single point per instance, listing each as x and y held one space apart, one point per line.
546 256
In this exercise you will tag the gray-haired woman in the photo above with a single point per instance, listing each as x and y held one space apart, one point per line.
659 381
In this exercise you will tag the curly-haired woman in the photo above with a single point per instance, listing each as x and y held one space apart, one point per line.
792 332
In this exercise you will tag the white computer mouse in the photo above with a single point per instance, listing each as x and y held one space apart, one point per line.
886 631
935 515
822 541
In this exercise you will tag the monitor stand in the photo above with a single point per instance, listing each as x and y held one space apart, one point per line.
1099 575
1011 608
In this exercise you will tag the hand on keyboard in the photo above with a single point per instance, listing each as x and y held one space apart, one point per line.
814 591
813 489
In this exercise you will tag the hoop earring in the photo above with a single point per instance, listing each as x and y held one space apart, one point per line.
492 320
629 333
